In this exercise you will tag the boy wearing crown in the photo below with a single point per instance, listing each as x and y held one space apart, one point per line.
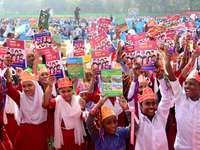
109 136
151 133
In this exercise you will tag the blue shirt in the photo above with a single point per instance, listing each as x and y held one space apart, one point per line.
123 66
115 142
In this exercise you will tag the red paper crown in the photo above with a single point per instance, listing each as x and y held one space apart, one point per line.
27 76
194 75
142 78
63 82
147 94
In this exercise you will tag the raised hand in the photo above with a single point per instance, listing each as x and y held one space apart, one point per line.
123 103
136 69
51 80
82 103
19 72
8 61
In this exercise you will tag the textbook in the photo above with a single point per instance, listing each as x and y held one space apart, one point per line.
17 50
75 67
57 42
121 24
78 48
43 19
54 64
112 82
146 53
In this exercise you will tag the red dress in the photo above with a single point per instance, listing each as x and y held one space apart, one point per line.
29 136
68 135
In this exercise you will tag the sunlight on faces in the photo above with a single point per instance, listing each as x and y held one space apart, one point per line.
192 88
44 77
28 88
110 124
66 92
148 107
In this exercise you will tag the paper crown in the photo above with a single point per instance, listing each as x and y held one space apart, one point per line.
106 112
147 94
42 69
27 76
194 74
142 78
83 87
63 82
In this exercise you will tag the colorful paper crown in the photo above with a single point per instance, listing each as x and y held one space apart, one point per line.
63 82
106 112
147 94
83 87
42 69
194 74
27 76
142 78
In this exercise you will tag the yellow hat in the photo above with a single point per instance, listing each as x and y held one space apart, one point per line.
106 112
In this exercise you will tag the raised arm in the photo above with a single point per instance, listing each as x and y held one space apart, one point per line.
90 119
48 92
136 70
38 54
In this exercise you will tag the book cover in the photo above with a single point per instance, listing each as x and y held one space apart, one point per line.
101 60
92 32
43 19
54 64
130 54
112 82
121 24
78 48
57 42
3 53
170 42
146 53
17 50
43 40
102 42
75 67
20 29
104 25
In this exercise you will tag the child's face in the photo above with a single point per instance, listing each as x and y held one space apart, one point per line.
110 125
142 85
192 88
84 95
148 107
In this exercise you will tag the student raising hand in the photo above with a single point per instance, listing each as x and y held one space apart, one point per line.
136 69
101 102
123 103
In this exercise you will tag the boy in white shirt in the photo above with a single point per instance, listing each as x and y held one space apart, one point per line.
151 134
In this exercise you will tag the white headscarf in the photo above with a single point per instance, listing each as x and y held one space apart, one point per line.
11 108
31 110
72 120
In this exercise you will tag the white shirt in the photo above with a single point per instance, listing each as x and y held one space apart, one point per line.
152 135
188 120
